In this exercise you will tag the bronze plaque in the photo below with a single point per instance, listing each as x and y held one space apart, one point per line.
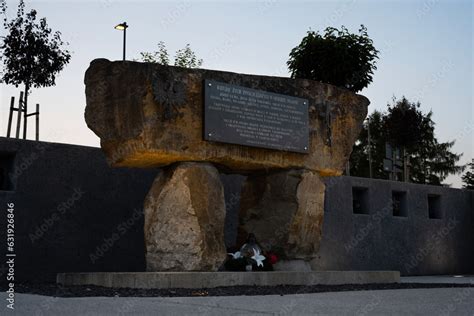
239 115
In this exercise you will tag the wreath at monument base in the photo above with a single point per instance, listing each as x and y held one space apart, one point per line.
250 258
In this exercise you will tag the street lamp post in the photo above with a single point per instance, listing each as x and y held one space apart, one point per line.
123 27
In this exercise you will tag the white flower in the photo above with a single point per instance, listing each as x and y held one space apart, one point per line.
258 257
235 255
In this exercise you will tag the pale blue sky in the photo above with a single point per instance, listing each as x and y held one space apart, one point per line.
426 51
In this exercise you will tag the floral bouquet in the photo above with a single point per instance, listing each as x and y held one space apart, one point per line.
250 258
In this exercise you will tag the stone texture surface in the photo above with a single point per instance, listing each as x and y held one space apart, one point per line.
151 115
285 211
184 219
148 115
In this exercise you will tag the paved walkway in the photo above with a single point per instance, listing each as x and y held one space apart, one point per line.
444 301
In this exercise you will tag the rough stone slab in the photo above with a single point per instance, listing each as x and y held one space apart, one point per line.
184 219
167 280
284 210
149 115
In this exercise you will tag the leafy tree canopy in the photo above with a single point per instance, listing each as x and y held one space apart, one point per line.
30 52
183 58
336 57
404 126
468 177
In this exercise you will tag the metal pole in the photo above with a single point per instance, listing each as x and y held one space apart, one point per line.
369 147
10 116
404 165
37 120
124 40
406 162
18 121
396 174
25 109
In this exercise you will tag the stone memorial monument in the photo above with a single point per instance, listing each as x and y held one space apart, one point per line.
285 134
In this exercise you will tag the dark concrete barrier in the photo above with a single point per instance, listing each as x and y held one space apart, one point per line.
73 213
374 224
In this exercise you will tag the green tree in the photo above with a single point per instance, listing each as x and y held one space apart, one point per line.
31 53
404 126
160 56
187 58
359 163
468 177
336 57
184 57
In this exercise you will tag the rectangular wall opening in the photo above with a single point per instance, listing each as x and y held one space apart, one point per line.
434 206
6 171
399 204
360 200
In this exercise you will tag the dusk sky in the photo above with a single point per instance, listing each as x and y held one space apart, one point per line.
426 51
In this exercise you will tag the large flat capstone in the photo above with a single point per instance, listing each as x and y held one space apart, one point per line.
149 115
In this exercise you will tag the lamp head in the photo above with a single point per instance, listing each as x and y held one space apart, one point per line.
121 26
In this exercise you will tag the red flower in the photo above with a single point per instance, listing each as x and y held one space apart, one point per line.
272 258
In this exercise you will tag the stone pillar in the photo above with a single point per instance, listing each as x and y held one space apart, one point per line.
285 211
184 219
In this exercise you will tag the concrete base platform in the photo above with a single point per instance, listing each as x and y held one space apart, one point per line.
166 280
446 279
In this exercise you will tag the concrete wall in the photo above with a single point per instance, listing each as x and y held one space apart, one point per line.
68 202
73 213
413 244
